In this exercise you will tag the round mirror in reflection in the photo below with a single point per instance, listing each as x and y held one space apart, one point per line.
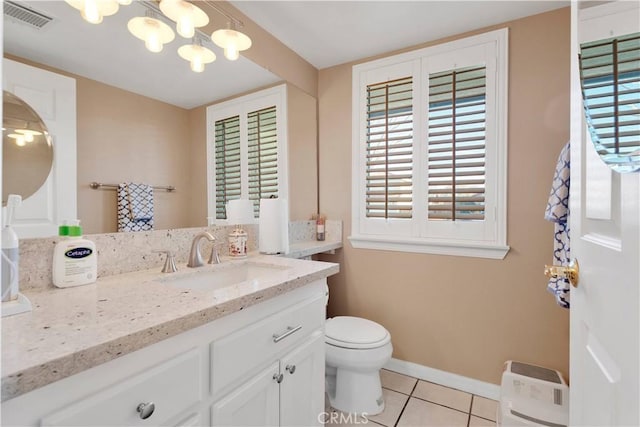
610 79
27 152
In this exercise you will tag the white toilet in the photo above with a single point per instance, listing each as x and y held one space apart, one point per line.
356 350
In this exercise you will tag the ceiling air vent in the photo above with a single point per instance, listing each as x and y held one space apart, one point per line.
24 14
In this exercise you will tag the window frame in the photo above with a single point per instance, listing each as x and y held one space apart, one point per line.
419 234
241 107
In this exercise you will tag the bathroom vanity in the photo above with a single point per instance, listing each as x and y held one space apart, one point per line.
149 349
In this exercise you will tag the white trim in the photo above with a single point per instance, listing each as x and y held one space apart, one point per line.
447 379
242 106
486 239
424 246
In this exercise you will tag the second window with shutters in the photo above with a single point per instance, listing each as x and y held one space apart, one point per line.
429 148
246 150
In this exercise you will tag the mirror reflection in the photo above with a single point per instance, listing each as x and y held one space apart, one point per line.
27 152
141 116
610 78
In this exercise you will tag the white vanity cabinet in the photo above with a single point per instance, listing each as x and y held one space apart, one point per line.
289 392
262 365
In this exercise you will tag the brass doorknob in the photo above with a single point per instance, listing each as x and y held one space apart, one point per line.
571 272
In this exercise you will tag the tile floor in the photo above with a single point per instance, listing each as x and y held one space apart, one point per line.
417 403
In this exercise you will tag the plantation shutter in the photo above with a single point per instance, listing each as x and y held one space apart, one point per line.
456 144
263 156
389 140
610 77
227 146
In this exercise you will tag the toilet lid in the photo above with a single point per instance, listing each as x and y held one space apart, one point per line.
355 332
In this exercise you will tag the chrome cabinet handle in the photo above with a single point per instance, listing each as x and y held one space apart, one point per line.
145 410
290 330
278 378
291 369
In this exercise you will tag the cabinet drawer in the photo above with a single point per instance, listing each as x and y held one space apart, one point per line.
172 386
240 353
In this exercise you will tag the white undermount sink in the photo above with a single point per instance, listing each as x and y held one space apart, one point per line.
226 275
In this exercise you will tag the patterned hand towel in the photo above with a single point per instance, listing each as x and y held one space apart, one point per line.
557 211
135 207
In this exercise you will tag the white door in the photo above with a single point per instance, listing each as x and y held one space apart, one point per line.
53 97
302 388
605 235
255 403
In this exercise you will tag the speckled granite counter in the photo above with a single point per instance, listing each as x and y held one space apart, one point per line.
311 247
71 330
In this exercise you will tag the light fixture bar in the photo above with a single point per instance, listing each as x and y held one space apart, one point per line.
154 7
221 11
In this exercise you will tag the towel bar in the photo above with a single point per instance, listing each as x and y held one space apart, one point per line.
168 188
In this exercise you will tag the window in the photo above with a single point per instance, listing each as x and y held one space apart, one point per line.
246 150
263 156
610 78
429 149
389 149
456 144
227 162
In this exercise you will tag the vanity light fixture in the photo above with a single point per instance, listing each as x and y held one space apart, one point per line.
20 141
231 40
187 16
93 11
28 134
197 55
153 31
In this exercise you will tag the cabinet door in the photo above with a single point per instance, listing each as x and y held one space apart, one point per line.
192 420
255 403
302 388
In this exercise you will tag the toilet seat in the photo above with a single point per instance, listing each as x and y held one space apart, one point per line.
355 333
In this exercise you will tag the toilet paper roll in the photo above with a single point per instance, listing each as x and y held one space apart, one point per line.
274 226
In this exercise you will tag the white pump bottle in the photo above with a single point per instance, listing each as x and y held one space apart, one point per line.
10 254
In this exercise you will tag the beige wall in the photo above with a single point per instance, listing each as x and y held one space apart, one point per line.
127 137
303 154
198 167
457 314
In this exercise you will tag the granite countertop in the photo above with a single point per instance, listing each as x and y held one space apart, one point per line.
74 329
311 247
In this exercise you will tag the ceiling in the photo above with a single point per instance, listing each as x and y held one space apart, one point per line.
110 54
325 33
328 33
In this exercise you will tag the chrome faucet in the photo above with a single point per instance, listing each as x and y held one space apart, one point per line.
195 258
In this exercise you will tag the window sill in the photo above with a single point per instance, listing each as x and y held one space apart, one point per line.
423 246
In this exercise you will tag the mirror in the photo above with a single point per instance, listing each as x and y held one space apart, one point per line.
27 152
141 115
610 80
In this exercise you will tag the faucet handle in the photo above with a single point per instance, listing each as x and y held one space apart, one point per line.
170 261
214 258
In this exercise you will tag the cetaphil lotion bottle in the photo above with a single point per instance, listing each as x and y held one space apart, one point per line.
75 261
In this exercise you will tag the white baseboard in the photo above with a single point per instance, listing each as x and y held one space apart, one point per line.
480 388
